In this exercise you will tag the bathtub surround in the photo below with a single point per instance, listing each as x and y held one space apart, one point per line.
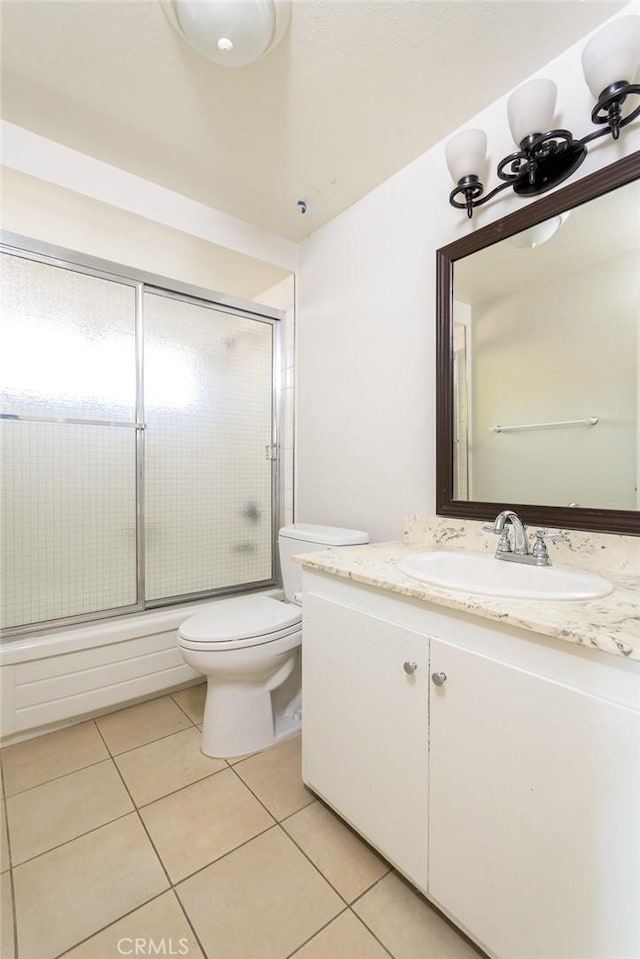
62 676
610 624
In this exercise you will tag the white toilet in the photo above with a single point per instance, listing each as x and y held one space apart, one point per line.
248 647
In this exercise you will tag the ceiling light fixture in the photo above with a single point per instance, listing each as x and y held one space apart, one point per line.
232 33
544 160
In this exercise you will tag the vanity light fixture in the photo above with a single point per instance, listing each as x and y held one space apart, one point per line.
539 234
545 159
232 33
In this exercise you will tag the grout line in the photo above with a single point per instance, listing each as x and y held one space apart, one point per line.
189 923
337 916
66 842
159 857
122 752
12 890
137 811
317 933
370 931
150 802
62 776
300 849
316 867
109 924
224 855
182 710
372 886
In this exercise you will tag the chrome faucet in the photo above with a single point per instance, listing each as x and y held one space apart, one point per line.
519 553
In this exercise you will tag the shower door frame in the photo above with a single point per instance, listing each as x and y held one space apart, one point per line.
142 281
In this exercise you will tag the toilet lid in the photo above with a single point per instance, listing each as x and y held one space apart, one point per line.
242 617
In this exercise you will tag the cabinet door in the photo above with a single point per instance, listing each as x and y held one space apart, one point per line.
364 732
534 812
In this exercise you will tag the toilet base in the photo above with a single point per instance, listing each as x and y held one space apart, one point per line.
241 719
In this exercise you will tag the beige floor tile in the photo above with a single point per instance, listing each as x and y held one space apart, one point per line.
342 858
407 925
202 822
7 945
260 902
48 815
141 724
344 938
68 894
47 757
4 845
162 767
161 921
191 701
275 777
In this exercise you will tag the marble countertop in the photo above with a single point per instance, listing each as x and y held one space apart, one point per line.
610 624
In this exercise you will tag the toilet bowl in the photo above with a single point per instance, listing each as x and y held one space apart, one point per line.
248 647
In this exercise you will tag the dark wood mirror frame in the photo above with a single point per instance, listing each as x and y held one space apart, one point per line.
604 520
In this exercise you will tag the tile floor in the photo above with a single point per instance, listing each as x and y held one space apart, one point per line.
118 837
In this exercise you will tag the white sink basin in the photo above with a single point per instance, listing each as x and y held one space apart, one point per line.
482 573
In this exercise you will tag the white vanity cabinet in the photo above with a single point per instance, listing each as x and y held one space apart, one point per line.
510 793
534 811
365 728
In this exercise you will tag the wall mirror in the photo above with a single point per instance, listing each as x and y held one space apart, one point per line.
538 360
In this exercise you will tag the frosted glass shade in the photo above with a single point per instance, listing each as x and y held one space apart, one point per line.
530 109
465 154
230 32
612 54
538 234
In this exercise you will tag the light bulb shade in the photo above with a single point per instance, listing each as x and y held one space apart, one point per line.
465 153
612 54
538 234
530 109
230 32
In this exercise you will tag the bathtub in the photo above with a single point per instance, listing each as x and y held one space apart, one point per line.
54 678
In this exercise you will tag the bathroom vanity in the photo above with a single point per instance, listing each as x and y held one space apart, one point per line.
492 758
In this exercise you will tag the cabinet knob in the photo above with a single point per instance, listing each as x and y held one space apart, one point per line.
439 679
410 667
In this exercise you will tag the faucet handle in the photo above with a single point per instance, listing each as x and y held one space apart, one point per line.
540 546
550 537
504 543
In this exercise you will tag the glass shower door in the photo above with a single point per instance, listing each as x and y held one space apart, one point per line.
68 434
208 388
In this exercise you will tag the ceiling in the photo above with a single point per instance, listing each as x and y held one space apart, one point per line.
355 91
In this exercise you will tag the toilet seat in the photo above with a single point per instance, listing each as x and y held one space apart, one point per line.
240 622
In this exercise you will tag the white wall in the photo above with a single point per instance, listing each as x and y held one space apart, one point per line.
366 327
29 153
50 213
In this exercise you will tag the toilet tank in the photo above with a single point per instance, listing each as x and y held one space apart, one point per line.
307 538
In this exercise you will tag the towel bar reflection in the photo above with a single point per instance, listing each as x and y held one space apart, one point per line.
589 421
